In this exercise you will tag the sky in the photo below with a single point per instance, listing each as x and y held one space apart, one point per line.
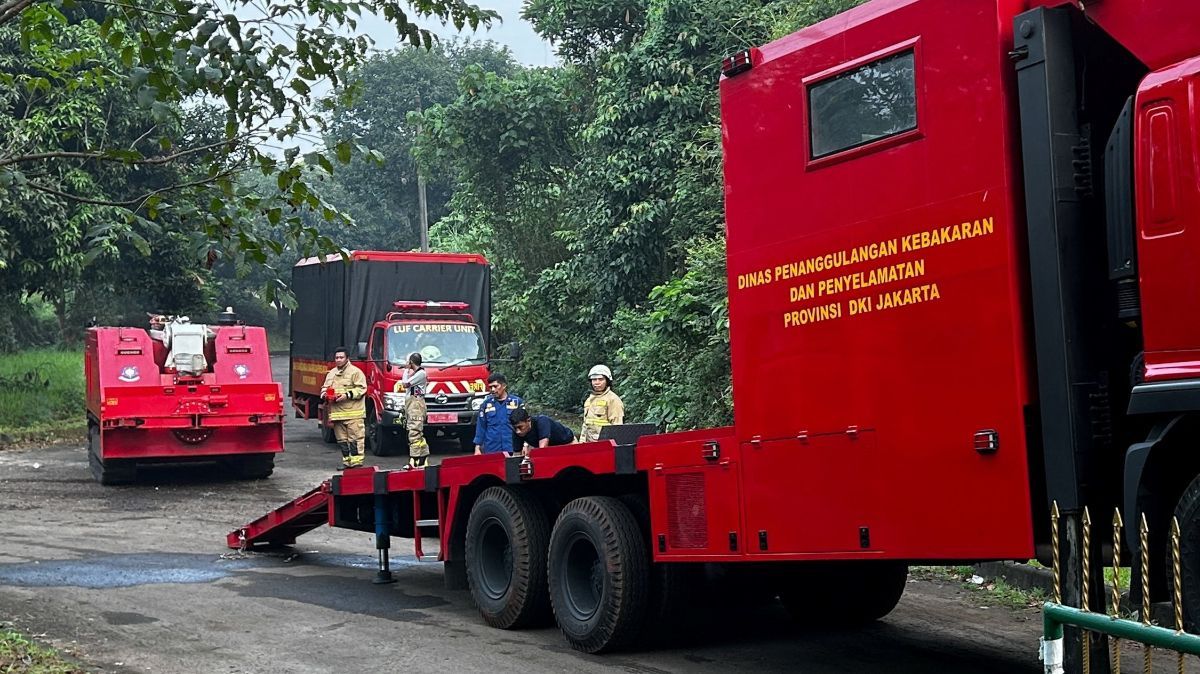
514 32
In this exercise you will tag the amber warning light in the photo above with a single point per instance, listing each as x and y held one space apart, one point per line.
737 64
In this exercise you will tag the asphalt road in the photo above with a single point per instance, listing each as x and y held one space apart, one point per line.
138 579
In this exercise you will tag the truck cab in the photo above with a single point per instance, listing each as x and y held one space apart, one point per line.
455 359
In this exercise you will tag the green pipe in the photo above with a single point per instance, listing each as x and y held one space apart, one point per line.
1054 616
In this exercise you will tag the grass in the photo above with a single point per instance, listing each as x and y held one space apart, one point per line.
1122 573
41 396
20 655
995 592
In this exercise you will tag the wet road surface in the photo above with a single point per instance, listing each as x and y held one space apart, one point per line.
138 579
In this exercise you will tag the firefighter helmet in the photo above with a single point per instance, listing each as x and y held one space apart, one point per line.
600 371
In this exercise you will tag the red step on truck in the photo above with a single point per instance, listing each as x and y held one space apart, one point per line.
384 306
962 239
181 392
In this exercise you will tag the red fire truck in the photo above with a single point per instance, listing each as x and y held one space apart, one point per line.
181 392
384 306
962 238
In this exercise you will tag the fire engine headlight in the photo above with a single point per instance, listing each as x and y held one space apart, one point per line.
477 402
393 402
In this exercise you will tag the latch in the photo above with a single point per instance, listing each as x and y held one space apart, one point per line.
711 451
987 441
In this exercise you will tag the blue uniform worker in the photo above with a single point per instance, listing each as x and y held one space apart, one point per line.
493 433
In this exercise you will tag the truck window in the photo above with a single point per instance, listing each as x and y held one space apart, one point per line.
436 342
863 105
377 344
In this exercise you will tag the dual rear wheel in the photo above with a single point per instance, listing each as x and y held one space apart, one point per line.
591 569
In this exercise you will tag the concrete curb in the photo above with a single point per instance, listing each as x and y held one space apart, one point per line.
1025 577
1021 576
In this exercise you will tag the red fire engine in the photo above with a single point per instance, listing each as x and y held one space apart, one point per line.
181 392
961 248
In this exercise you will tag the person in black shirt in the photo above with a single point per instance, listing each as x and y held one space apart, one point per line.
537 431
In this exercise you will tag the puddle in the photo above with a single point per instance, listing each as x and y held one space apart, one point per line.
111 571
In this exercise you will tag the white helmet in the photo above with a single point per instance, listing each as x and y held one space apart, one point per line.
600 371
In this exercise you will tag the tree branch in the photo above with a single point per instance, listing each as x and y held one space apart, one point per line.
136 203
94 154
11 8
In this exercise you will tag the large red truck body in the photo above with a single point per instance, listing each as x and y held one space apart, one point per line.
141 411
388 303
961 242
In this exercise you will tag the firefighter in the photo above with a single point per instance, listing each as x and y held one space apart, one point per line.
531 432
412 383
493 433
602 407
348 409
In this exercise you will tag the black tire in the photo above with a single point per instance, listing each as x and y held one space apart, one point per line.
254 466
599 574
466 440
327 433
673 587
843 593
111 472
507 536
381 441
1188 513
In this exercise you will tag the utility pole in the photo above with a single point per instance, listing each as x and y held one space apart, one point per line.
422 206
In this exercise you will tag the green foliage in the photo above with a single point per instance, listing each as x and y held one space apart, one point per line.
380 193
595 189
40 391
20 654
674 358
99 151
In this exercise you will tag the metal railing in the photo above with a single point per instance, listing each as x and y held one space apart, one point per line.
1056 615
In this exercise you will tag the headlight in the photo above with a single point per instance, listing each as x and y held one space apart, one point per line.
393 402
477 402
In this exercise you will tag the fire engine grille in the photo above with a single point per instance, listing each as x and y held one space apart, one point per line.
687 522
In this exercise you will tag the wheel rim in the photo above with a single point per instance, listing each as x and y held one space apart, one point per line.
496 559
583 577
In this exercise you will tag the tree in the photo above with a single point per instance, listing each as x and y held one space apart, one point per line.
635 166
261 63
381 197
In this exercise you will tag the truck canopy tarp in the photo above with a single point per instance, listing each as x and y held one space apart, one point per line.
338 302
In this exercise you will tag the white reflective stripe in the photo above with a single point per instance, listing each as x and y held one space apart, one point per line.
452 387
1051 655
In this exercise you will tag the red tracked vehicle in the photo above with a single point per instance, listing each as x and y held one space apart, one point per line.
182 393
961 244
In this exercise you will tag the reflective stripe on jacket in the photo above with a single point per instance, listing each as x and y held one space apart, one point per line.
352 383
600 410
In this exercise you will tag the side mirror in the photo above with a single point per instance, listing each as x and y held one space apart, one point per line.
514 351
362 351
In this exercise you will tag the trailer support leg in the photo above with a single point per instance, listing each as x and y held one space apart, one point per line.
383 541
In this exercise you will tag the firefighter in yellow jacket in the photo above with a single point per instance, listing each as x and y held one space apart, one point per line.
348 409
602 407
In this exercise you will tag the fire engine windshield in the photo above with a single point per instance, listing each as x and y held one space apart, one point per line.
436 342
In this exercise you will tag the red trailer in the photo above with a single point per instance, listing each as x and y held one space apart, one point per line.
961 244
188 393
